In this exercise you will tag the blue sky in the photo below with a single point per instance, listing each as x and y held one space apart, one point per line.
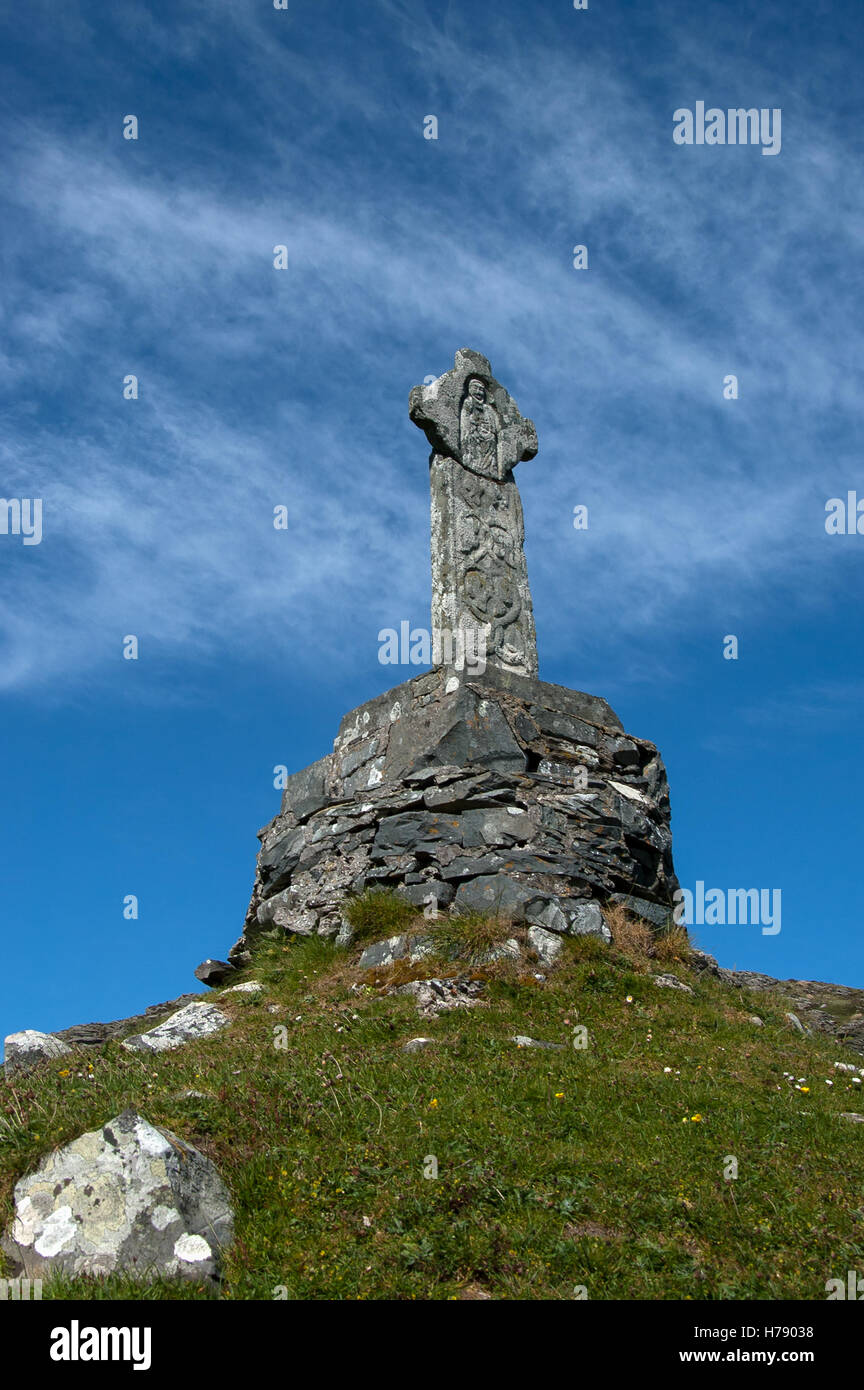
259 387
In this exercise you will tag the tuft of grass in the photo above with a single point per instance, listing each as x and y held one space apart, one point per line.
379 912
470 936
632 938
640 943
673 946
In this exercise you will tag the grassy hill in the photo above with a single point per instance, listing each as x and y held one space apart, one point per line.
597 1167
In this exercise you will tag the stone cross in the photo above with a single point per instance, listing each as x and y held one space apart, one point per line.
479 576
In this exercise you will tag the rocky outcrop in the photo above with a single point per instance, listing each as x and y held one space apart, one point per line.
95 1034
127 1198
837 1010
495 792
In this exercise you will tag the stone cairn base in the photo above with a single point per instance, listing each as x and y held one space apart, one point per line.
496 792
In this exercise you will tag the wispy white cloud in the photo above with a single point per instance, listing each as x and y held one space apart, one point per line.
260 387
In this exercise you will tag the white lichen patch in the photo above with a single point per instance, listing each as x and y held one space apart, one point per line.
192 1249
58 1233
162 1216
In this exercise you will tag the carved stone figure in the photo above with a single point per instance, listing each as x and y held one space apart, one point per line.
479 432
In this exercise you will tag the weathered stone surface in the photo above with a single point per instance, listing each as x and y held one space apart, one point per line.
428 892
586 919
423 831
441 996
478 795
522 1040
385 952
545 943
93 1035
545 912
393 948
128 1198
668 981
214 972
505 950
657 913
494 893
507 825
345 934
461 727
193 1022
278 863
25 1050
306 791
464 793
479 577
283 910
461 866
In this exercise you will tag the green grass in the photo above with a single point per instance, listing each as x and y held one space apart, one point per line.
556 1169
470 936
378 913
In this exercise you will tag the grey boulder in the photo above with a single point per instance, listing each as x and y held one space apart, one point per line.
127 1198
193 1022
214 972
22 1051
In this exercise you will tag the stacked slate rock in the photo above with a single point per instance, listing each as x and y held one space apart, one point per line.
496 792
